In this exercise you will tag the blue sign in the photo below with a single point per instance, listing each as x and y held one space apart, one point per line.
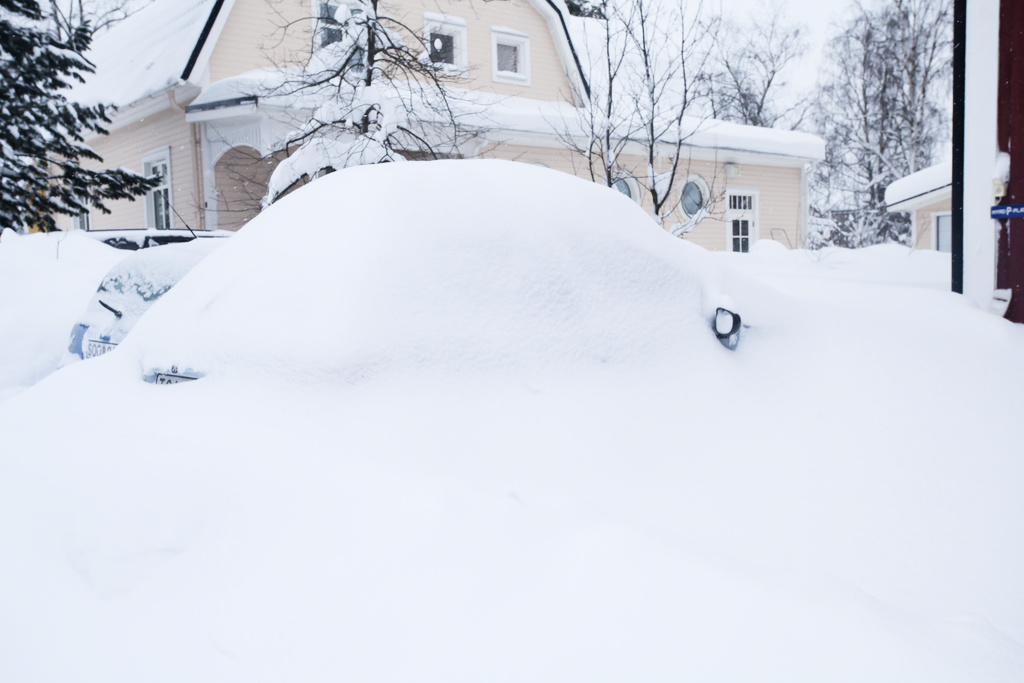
1008 211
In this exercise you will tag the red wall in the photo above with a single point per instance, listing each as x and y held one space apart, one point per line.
1010 266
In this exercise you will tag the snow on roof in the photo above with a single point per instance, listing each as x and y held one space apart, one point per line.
737 136
267 84
552 118
272 88
918 186
147 52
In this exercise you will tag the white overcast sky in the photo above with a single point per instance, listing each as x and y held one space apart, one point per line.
816 15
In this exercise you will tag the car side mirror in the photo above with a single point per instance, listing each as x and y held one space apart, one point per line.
727 327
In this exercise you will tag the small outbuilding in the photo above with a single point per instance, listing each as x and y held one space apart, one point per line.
928 197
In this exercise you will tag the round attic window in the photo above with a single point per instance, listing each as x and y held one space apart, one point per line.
629 186
694 196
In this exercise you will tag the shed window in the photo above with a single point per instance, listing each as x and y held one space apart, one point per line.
944 232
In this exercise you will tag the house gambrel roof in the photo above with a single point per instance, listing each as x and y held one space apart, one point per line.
170 41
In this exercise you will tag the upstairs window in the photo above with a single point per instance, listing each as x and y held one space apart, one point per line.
442 48
328 30
445 37
510 56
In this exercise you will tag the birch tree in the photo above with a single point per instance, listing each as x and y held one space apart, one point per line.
747 82
883 113
646 59
605 122
673 49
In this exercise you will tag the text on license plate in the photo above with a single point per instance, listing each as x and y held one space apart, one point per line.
98 348
168 378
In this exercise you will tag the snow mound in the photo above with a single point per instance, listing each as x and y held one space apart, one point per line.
452 264
45 282
768 247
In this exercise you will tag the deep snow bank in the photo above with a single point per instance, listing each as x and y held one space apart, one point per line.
454 264
881 264
45 283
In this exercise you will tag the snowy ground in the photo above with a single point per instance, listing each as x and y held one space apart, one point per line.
46 282
505 446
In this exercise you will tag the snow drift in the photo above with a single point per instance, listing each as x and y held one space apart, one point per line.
45 283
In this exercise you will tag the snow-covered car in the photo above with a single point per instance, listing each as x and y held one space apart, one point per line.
135 239
578 266
128 290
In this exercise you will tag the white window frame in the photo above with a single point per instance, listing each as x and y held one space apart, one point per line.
935 227
755 220
456 28
633 184
705 187
507 36
83 218
155 156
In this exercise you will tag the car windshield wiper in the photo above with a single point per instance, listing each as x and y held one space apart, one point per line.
110 308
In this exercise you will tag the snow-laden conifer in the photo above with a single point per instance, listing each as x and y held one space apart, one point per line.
42 133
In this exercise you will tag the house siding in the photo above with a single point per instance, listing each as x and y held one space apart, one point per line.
779 201
778 191
924 219
548 80
261 33
126 147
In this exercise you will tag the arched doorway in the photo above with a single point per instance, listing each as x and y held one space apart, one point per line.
241 175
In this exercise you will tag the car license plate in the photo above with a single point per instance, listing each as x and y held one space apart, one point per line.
96 347
168 378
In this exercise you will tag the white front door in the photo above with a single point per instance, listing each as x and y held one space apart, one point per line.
739 218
